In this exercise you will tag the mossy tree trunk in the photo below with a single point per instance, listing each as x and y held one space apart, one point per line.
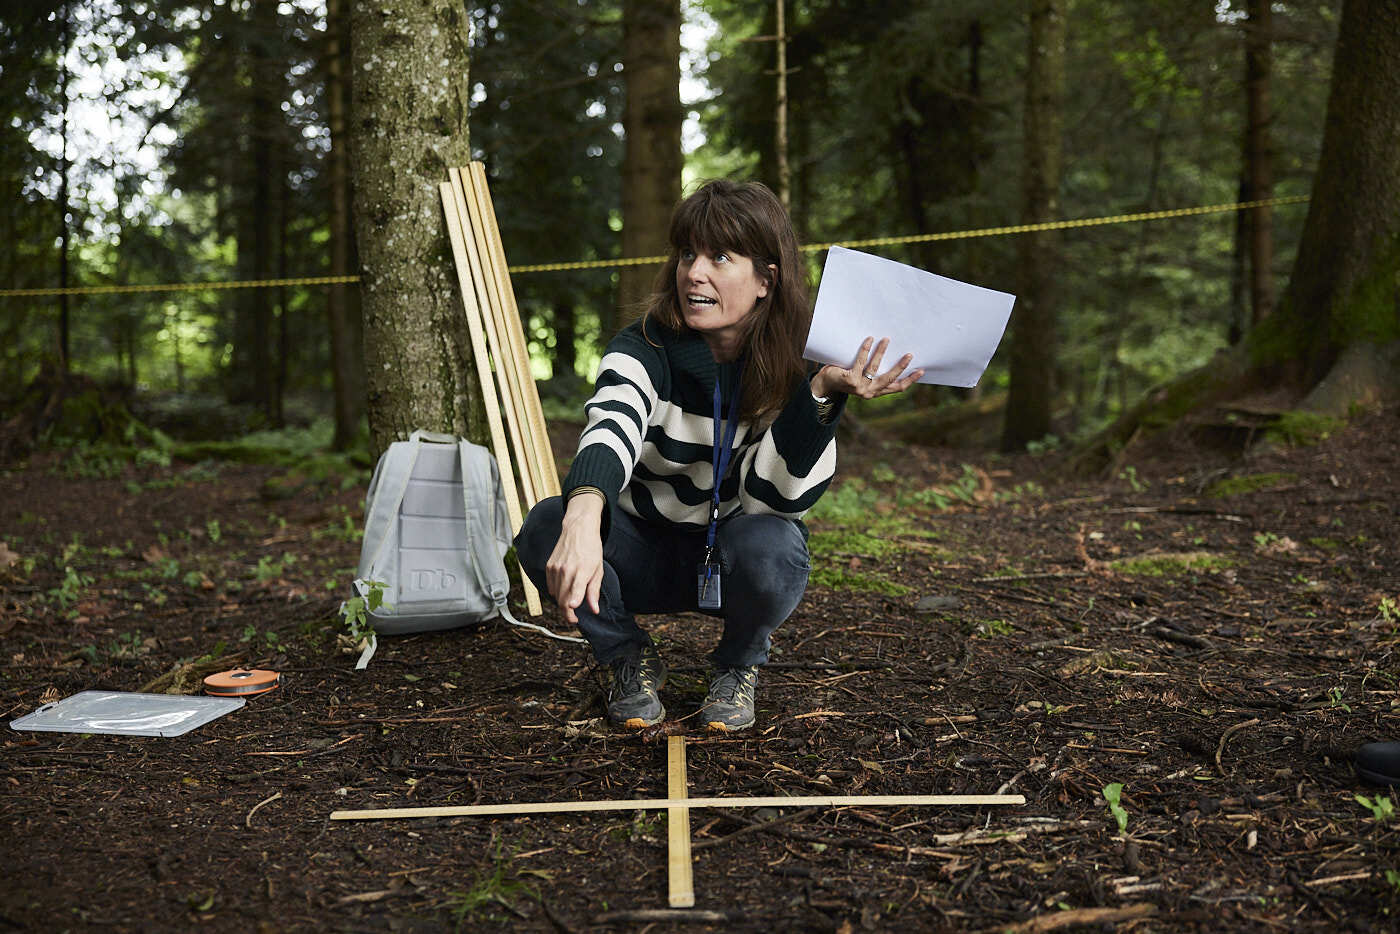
1344 290
408 126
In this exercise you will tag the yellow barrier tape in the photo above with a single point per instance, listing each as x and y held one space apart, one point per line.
183 286
650 260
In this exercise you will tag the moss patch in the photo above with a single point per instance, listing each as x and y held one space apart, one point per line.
839 579
1172 564
1250 483
1303 429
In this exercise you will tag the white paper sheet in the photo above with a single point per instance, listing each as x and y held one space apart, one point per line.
950 327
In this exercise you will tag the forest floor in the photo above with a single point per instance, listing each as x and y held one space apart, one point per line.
1214 632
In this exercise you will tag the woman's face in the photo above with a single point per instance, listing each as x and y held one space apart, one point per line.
717 292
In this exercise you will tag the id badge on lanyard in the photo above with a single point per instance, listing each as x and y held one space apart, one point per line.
707 574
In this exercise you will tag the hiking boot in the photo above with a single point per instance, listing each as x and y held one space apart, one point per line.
632 696
729 705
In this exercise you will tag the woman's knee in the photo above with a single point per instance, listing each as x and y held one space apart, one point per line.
766 550
539 533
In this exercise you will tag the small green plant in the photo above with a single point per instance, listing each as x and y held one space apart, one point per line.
71 589
966 486
1113 794
489 887
273 568
1264 539
1335 696
356 610
1381 807
851 501
1388 610
1393 878
1130 474
994 627
1048 443
347 529
214 531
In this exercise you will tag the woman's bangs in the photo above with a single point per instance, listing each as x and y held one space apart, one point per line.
710 225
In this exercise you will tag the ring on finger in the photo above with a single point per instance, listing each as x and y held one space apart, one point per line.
869 375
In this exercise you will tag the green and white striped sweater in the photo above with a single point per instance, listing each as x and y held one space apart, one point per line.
650 433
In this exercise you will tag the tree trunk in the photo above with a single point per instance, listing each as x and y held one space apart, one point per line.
346 382
1344 282
1031 396
252 375
1259 166
284 313
1345 288
1239 266
408 126
63 225
651 163
565 335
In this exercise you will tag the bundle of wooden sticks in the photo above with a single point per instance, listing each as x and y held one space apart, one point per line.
527 466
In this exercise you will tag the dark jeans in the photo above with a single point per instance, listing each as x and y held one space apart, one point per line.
650 568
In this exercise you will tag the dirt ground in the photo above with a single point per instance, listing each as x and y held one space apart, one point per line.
1214 632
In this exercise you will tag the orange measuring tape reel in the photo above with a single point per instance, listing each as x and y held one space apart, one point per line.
241 682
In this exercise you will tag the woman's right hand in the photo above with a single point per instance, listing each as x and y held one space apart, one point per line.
574 571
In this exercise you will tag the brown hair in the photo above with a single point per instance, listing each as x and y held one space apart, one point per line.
746 218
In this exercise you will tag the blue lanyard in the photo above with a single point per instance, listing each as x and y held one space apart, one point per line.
719 459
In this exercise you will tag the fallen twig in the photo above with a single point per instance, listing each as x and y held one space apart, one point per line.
1027 577
1054 921
1225 737
1180 638
753 827
645 915
248 821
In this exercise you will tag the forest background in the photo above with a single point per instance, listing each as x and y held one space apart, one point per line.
155 143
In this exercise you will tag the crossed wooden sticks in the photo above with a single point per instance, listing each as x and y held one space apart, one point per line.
677 805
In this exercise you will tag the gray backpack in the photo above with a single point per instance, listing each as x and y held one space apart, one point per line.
436 534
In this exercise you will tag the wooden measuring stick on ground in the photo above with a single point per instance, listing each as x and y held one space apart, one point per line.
483 372
656 804
534 409
481 255
682 883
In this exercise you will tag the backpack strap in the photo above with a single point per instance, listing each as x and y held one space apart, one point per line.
480 481
479 474
392 475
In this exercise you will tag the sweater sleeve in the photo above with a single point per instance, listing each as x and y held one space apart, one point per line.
792 463
624 399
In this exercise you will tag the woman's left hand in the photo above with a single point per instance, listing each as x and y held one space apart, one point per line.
864 378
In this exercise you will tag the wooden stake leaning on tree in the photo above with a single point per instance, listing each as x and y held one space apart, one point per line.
512 314
503 351
498 344
475 327
682 882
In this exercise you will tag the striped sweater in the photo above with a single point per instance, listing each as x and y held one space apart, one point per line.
649 437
